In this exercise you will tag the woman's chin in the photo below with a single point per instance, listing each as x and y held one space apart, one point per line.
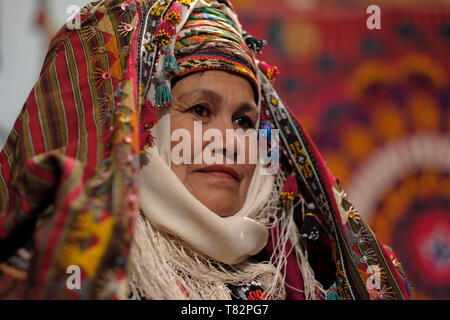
225 206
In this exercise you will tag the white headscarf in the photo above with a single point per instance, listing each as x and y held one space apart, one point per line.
169 206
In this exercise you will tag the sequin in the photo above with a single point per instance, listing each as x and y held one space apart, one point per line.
128 27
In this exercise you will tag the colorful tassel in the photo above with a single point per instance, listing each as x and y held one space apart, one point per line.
332 293
289 189
174 14
170 66
271 72
164 33
310 228
163 94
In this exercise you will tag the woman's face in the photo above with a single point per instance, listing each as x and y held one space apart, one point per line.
222 101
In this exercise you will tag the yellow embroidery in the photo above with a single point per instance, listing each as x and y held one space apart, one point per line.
86 228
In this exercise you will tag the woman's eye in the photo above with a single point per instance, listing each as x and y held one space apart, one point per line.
200 110
243 121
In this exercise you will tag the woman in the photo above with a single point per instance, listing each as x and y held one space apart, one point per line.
89 177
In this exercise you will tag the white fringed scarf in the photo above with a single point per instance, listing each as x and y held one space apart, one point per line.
183 250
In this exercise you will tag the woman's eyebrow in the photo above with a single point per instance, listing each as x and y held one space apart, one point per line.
248 107
209 94
216 98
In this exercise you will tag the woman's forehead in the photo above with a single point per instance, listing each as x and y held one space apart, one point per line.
216 86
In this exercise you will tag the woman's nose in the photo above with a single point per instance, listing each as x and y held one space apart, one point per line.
230 142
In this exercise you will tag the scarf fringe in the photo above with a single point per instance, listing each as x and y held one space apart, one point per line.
163 267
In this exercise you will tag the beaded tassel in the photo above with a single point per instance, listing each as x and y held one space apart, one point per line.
310 228
271 72
289 189
164 33
163 94
148 120
149 117
170 66
332 293
174 14
163 37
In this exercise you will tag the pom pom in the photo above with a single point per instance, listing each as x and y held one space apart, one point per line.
271 72
163 95
146 139
289 189
174 14
310 228
149 117
164 33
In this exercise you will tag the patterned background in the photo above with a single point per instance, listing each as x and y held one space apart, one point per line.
376 102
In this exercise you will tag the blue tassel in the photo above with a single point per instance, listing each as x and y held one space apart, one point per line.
332 293
163 94
170 65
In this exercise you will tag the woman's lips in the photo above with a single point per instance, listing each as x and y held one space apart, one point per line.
221 171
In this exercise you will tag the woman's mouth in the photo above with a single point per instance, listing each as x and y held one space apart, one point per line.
221 171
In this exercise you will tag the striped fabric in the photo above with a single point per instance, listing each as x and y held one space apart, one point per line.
63 168
211 41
